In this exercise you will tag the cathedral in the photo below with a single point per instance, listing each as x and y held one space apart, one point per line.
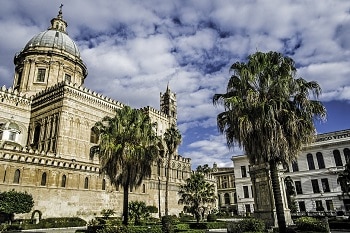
46 134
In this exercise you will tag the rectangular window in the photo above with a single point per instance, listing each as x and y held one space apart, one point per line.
295 166
247 208
298 187
244 171
41 75
12 136
319 206
310 161
320 160
246 191
315 186
329 204
302 207
67 78
325 185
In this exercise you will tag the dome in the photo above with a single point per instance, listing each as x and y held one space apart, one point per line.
10 125
54 39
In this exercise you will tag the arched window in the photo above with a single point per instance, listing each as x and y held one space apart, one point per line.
63 181
143 188
347 155
86 183
310 161
227 199
337 158
103 184
295 166
320 160
36 136
16 177
94 135
43 179
158 169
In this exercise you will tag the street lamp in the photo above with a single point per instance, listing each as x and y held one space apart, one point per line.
160 213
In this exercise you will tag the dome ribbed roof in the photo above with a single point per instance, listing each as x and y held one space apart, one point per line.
54 39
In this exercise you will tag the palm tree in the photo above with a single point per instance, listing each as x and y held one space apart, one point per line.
196 194
269 113
127 148
172 138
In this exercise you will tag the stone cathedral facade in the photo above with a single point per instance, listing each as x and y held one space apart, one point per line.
46 122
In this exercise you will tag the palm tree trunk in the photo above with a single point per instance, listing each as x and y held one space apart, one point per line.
167 187
126 205
278 197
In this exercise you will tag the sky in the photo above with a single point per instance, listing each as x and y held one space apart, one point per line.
134 48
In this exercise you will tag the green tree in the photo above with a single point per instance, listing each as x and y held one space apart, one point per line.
205 169
138 211
13 202
196 194
127 148
172 138
344 179
268 112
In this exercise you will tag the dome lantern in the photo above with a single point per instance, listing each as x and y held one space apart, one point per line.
58 23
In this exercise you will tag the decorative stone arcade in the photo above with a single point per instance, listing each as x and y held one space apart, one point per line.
263 195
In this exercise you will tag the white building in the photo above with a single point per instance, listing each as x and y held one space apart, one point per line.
314 174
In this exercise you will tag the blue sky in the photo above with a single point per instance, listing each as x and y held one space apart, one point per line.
133 49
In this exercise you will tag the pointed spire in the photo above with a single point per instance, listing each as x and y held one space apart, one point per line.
167 88
59 16
58 23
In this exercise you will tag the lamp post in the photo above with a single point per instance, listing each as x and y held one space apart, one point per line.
160 213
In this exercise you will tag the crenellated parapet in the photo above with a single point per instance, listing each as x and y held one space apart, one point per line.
15 98
66 89
27 156
154 111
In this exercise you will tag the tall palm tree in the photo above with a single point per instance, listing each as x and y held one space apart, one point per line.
172 138
268 112
196 194
128 146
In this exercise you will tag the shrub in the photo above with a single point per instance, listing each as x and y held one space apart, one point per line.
216 225
182 227
246 225
200 225
55 223
106 213
211 218
167 224
310 224
186 218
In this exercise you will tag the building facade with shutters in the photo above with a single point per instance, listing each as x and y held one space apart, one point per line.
46 121
314 176
226 188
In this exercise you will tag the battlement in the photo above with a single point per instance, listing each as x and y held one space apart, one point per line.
15 98
13 153
79 92
155 111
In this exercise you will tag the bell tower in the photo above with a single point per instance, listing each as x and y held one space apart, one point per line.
168 105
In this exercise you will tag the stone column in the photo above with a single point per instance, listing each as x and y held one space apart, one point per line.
263 196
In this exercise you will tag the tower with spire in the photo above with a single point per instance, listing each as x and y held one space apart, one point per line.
168 105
